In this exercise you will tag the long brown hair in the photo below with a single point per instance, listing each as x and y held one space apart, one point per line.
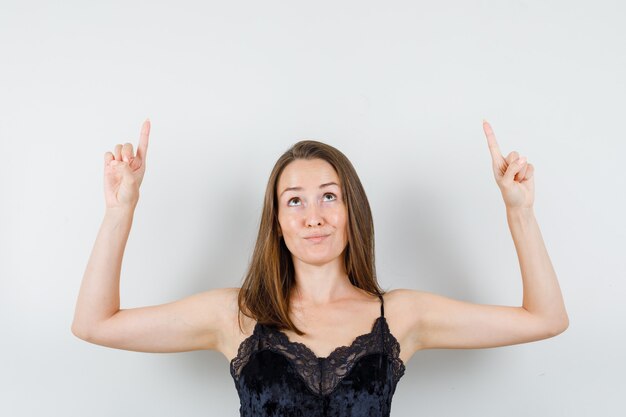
264 294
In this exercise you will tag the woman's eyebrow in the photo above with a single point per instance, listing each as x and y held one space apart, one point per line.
300 188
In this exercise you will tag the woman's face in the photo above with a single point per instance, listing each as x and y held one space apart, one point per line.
310 204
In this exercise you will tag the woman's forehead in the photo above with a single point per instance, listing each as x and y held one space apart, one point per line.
306 174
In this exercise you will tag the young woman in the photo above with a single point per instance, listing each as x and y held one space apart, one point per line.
310 332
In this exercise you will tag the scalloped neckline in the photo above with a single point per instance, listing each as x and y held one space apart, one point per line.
305 348
336 351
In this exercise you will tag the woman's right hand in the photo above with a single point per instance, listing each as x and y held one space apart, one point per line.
123 172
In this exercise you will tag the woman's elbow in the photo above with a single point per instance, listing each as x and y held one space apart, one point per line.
80 331
560 327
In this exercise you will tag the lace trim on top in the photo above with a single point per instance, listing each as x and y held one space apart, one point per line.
321 375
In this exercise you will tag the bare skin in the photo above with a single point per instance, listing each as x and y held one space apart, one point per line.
323 295
323 335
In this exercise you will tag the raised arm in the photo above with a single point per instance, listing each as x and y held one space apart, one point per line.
441 322
195 322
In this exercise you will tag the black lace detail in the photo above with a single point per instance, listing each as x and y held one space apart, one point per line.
246 349
392 347
321 375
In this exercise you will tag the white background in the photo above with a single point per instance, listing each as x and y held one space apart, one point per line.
401 88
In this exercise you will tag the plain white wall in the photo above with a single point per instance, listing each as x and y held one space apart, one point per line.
401 88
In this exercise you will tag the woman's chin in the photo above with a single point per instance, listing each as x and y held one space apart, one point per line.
318 259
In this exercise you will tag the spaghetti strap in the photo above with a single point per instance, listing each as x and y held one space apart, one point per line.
382 306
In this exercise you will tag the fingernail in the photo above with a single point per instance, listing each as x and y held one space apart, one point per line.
522 160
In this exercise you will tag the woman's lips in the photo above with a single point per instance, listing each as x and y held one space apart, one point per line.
316 239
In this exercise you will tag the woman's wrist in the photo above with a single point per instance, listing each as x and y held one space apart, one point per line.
520 210
119 213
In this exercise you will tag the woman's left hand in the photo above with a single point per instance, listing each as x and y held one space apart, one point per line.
513 174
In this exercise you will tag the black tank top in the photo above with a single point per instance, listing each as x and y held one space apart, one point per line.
279 378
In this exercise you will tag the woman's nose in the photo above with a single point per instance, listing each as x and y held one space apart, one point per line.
313 216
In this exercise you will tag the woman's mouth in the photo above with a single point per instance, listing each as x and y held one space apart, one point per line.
317 238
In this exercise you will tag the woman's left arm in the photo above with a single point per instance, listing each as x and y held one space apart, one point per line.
441 322
515 178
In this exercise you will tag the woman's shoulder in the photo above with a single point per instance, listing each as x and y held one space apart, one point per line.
218 305
230 299
224 296
402 300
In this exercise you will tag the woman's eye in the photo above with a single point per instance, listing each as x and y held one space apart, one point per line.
334 197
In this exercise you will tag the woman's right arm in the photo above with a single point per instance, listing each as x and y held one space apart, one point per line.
192 323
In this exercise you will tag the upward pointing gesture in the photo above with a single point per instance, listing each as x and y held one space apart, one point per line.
513 175
123 172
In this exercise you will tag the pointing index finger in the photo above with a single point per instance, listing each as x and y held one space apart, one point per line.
494 149
142 149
